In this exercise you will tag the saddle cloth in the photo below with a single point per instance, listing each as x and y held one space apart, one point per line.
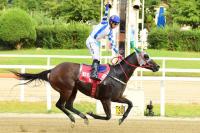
84 75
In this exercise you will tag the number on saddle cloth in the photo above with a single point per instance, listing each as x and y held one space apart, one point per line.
85 70
84 76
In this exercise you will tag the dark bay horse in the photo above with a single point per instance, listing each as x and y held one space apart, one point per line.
64 78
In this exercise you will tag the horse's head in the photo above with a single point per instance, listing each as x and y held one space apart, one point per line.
145 61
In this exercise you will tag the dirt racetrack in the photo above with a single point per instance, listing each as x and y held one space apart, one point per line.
51 123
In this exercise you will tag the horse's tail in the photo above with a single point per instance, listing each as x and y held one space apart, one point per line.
31 77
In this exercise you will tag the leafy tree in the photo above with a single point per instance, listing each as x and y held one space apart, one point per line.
3 4
77 10
32 5
185 12
150 12
18 3
67 10
16 27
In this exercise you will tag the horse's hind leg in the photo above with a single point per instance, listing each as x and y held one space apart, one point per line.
61 105
69 106
106 106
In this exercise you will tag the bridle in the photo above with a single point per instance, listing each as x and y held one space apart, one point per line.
120 58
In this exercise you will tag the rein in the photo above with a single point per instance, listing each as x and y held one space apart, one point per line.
132 65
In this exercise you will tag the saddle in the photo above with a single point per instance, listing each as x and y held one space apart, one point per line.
84 75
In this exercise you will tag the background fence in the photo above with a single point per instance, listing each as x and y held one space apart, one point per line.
136 82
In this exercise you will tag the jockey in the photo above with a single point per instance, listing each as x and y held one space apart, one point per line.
102 30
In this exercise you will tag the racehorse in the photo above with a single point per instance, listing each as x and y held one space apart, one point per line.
64 78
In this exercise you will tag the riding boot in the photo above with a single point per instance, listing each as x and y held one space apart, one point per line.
94 72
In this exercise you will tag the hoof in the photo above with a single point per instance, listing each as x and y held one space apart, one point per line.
72 124
89 113
120 121
86 121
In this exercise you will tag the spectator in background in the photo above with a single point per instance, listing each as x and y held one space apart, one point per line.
132 34
143 38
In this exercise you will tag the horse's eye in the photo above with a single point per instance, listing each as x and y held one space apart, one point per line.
146 56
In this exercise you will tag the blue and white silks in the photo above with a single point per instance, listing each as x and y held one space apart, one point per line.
101 31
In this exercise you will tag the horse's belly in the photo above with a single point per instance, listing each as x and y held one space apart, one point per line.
84 88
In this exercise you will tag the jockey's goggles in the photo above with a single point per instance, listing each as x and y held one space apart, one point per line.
115 23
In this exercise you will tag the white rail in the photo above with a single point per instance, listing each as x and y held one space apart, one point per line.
162 78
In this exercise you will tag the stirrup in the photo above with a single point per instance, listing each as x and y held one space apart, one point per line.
95 78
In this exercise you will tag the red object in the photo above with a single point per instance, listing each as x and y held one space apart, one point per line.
85 76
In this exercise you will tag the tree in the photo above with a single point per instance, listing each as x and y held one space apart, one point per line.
77 10
16 26
67 10
185 12
150 12
3 4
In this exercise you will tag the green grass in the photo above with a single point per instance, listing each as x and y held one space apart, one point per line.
153 53
172 110
165 53
41 61
179 110
47 51
39 107
172 74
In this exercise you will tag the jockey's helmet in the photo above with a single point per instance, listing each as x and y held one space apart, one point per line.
115 19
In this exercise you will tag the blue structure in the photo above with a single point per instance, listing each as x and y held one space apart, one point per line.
161 18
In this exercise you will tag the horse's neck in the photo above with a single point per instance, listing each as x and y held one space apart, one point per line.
126 70
129 65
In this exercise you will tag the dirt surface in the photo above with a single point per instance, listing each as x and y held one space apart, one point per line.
60 124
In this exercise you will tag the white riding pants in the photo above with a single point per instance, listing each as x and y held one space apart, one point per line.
93 47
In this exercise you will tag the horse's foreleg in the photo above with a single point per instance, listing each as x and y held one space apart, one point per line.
106 106
130 105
